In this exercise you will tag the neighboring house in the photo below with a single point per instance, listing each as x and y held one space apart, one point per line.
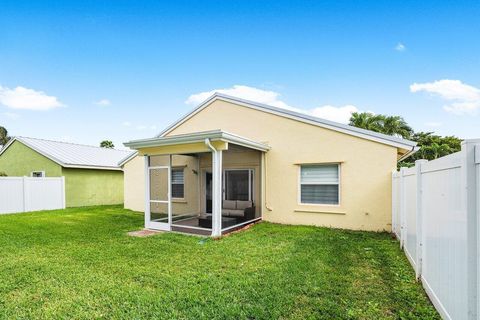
233 161
92 175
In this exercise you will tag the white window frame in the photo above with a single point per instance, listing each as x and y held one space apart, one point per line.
41 172
299 187
183 170
251 182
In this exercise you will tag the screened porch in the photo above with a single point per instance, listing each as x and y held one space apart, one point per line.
209 191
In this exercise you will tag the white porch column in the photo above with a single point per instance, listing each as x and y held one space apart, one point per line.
216 193
147 191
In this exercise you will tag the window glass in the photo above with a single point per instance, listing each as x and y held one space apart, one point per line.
319 184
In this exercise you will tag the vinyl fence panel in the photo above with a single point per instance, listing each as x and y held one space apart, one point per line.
11 195
410 203
23 194
437 204
396 204
444 270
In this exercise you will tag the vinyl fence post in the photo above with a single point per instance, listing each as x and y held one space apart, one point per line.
64 202
394 201
419 217
402 208
468 185
24 183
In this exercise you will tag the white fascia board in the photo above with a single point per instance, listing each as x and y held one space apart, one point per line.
57 161
127 158
362 133
5 147
75 166
408 154
215 135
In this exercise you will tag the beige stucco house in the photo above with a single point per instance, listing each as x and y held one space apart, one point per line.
231 162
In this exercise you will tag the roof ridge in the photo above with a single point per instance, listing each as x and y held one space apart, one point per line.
72 143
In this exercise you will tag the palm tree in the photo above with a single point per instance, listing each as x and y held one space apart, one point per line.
4 138
391 125
396 126
107 144
364 120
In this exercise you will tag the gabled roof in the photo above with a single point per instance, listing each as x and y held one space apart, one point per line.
187 138
71 155
358 132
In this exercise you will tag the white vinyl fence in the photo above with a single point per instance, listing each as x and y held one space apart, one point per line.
435 212
22 194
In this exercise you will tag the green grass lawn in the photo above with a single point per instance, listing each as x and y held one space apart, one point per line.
80 264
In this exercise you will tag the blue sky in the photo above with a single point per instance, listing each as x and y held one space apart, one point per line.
85 71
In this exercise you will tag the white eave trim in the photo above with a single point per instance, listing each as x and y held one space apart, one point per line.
358 132
197 137
408 154
77 166
127 158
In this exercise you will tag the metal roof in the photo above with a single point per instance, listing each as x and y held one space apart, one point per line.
366 134
71 155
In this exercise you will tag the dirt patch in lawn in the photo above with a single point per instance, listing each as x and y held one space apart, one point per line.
143 233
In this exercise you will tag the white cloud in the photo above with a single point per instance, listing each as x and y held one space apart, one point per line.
245 92
465 99
448 89
103 102
433 124
400 47
27 99
337 114
11 115
127 124
272 98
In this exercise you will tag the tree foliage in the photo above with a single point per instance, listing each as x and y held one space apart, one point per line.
391 125
432 146
3 174
3 136
107 144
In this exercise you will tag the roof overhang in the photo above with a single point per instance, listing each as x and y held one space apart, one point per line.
404 154
192 142
404 144
127 158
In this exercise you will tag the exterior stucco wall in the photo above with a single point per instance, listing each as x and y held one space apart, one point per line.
84 187
365 166
134 181
19 160
194 176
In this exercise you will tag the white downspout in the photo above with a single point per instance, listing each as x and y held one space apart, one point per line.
265 183
217 191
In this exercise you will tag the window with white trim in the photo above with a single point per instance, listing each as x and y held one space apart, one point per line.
320 184
178 183
37 174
